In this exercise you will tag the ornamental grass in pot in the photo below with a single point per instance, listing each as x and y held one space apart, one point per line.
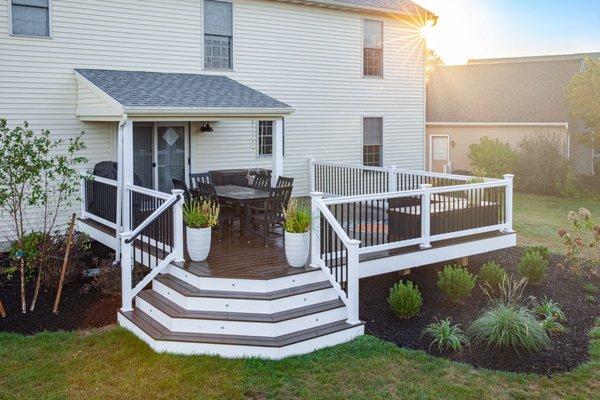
199 218
296 230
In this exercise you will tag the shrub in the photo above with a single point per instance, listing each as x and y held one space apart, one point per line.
541 166
543 250
492 274
107 281
456 282
446 336
297 217
590 288
492 158
551 316
506 327
582 242
405 299
532 266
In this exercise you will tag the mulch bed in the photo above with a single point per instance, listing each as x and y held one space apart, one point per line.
568 350
78 309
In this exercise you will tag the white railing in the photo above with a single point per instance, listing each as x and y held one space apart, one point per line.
441 207
99 199
163 228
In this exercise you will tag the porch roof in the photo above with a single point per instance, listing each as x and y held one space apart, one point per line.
107 94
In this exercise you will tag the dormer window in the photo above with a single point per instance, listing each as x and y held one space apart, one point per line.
372 48
30 17
218 35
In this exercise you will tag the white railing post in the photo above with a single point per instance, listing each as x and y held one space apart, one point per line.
508 228
126 268
311 175
353 282
82 194
178 226
425 216
315 228
392 178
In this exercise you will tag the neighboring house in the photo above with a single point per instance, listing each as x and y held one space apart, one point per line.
508 99
350 72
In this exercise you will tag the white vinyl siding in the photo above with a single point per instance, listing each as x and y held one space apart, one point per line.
307 57
30 17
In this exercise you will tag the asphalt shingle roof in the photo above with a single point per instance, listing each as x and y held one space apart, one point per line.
173 90
520 91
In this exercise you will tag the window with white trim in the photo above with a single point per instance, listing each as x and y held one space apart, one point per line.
218 34
372 48
265 138
30 17
373 141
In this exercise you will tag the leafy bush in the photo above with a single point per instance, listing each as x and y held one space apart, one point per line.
541 165
551 316
590 288
405 299
108 279
446 336
456 282
492 158
509 327
297 217
582 242
492 274
533 266
543 250
200 214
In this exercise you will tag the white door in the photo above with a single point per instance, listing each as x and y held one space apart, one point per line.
439 154
171 145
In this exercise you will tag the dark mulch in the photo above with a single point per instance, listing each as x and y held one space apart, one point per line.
568 351
78 309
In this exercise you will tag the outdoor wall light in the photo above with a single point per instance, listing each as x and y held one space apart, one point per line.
206 127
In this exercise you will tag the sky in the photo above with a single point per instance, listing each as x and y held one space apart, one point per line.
509 28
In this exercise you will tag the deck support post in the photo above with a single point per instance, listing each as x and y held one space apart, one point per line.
508 223
353 282
178 226
277 150
127 168
82 194
392 181
426 216
126 268
311 175
315 228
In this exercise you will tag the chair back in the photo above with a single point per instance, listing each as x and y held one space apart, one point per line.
207 191
203 177
279 197
261 181
283 181
181 185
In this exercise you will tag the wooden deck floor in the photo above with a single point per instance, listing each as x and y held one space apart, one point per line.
243 259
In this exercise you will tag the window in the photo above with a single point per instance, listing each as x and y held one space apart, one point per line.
372 48
265 138
30 17
218 34
373 142
440 148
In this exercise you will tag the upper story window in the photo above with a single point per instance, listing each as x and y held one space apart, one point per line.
265 138
373 141
218 34
372 48
30 17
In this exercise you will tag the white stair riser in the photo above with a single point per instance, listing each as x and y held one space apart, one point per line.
244 305
238 351
247 285
225 327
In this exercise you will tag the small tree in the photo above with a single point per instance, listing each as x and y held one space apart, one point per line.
492 158
35 176
432 61
583 95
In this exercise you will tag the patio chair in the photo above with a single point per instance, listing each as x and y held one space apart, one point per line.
262 181
204 177
181 185
270 214
283 181
227 214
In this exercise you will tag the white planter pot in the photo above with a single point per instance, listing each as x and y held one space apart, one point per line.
297 248
198 243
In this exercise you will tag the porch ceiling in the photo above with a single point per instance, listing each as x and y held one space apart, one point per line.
109 94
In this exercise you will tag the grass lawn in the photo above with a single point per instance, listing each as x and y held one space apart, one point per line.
538 218
113 364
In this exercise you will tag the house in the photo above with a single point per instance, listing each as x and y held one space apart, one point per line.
329 93
507 99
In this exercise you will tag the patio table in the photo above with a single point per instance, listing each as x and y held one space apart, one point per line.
241 196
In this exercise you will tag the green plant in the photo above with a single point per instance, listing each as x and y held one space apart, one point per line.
590 288
445 335
582 243
582 95
543 250
492 158
297 217
510 292
405 299
507 326
551 316
197 215
456 282
532 266
492 274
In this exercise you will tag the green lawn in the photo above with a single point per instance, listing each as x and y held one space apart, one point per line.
538 218
113 364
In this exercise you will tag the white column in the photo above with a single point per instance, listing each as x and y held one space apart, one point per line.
127 167
82 193
425 216
277 150
353 282
311 175
392 179
126 268
178 226
508 228
315 228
